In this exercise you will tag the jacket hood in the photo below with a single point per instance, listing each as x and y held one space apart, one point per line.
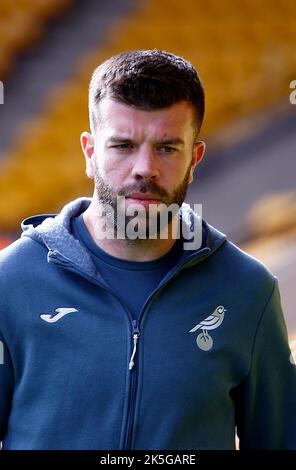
54 231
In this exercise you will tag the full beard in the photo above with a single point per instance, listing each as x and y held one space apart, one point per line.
151 228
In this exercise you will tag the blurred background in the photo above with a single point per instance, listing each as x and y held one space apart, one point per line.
245 53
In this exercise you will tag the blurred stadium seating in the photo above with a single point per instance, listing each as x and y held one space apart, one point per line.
22 24
245 52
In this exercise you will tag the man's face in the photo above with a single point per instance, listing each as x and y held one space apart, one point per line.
146 156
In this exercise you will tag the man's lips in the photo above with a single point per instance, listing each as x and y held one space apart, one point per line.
145 200
142 197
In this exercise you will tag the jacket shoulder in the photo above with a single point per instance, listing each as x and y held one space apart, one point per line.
19 256
245 270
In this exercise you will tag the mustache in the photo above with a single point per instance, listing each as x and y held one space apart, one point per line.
144 187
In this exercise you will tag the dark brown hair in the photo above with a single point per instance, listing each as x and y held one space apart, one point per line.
147 79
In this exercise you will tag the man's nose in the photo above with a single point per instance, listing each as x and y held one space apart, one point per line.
145 164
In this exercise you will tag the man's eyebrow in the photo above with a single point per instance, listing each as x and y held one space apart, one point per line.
176 141
117 139
120 139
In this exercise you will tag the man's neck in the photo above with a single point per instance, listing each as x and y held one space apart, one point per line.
131 250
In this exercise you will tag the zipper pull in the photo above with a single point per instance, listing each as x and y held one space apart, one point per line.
136 334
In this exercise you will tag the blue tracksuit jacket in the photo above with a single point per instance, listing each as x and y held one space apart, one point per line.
210 350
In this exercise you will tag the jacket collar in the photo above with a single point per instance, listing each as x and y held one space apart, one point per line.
54 231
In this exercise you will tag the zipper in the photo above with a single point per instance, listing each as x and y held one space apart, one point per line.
135 335
133 387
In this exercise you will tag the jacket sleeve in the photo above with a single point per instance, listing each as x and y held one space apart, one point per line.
6 386
266 399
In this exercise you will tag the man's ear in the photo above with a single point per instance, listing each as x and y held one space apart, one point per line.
198 153
87 144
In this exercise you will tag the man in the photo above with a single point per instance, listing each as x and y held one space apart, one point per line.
119 330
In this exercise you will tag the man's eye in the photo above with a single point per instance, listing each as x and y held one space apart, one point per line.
167 149
123 146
